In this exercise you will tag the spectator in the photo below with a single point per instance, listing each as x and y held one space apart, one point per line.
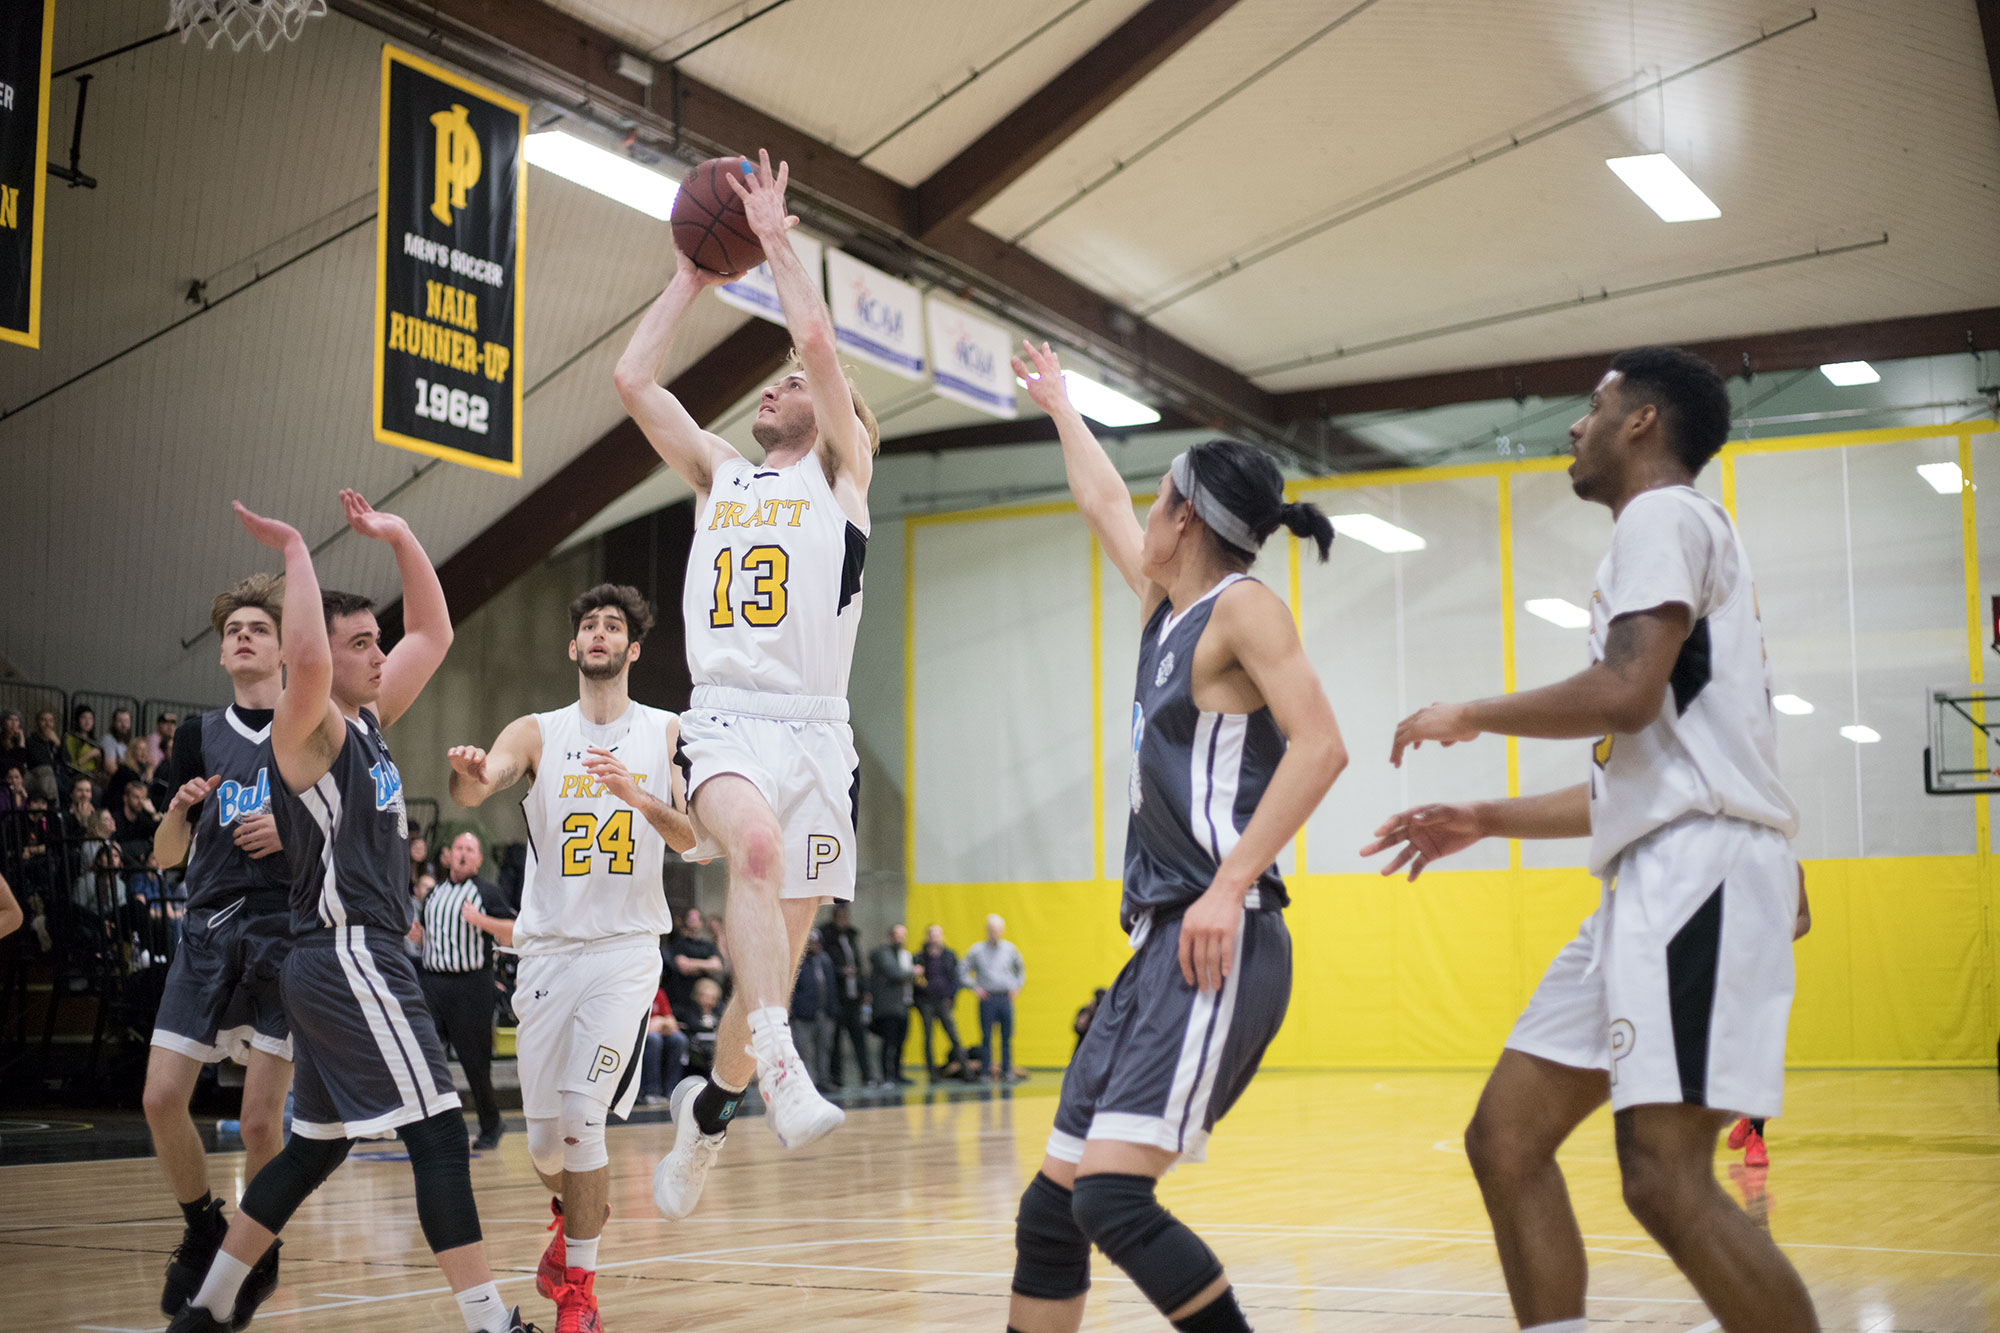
161 742
691 955
891 972
413 942
13 740
995 969
48 765
456 970
843 946
815 996
80 748
135 822
420 860
1087 1015
117 739
699 1021
11 915
136 766
666 1045
937 987
80 815
13 787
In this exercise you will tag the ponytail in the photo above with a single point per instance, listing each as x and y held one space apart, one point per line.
1308 521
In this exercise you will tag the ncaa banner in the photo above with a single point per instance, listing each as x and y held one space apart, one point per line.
876 317
450 237
757 293
969 359
26 40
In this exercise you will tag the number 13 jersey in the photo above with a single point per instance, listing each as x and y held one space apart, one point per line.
773 592
594 863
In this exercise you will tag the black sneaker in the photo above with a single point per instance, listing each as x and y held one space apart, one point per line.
196 1319
257 1286
515 1324
191 1258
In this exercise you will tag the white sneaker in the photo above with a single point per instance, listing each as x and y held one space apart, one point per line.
797 1112
678 1179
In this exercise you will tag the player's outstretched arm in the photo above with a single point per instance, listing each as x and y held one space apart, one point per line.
840 430
1257 632
426 619
1622 693
307 730
1430 833
669 822
1100 493
681 443
476 774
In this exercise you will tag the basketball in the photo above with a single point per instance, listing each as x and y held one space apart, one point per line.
709 224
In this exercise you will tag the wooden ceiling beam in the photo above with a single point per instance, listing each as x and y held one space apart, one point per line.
1792 349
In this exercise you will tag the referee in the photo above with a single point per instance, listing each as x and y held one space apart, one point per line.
457 918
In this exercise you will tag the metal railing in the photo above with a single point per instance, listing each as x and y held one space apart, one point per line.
29 698
152 709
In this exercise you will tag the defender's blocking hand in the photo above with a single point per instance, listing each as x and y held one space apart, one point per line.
1425 834
1443 723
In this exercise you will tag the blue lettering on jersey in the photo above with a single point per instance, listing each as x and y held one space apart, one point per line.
1133 790
388 785
234 801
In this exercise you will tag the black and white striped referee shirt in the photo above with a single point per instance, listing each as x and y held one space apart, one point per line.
451 943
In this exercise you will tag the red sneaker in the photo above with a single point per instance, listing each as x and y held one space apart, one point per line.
1738 1134
1753 1151
549 1273
576 1303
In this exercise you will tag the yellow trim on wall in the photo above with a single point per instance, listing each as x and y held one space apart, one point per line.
909 702
1726 470
1504 484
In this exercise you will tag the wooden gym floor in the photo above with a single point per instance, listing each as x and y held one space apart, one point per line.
1339 1201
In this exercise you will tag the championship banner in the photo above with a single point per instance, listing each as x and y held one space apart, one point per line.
450 238
26 41
757 293
969 359
876 317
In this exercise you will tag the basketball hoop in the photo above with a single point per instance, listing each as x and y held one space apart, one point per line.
265 22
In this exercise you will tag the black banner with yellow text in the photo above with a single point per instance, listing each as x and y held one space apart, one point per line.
450 239
25 45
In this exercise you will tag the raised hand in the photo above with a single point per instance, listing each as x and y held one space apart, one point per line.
1443 723
686 270
1424 835
1044 377
369 522
763 196
274 533
469 760
194 791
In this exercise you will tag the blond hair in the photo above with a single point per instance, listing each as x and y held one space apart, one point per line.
266 592
867 418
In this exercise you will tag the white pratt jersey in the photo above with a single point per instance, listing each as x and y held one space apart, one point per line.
773 591
1713 747
594 863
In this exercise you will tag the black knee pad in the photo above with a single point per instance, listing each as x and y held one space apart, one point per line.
442 1164
300 1167
1163 1258
1051 1253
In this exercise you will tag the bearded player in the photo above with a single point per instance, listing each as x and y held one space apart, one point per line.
592 914
771 603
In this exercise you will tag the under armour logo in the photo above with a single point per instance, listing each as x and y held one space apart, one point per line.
1166 669
539 994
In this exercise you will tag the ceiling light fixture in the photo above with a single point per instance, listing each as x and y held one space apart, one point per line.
1558 611
1790 705
1850 373
1104 404
1861 735
1664 187
1378 533
610 174
1945 478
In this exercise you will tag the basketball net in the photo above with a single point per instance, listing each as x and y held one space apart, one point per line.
265 22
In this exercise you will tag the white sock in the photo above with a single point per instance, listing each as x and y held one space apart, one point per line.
219 1289
1559 1326
771 1016
581 1253
482 1309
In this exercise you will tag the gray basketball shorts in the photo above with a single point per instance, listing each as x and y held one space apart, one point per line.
221 996
1163 1062
367 1059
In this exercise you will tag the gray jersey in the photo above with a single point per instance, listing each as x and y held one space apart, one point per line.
234 743
1196 777
349 838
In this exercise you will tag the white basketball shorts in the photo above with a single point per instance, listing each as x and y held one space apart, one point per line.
1680 983
798 751
582 1024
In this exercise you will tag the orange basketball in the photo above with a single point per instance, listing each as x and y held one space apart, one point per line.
709 224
